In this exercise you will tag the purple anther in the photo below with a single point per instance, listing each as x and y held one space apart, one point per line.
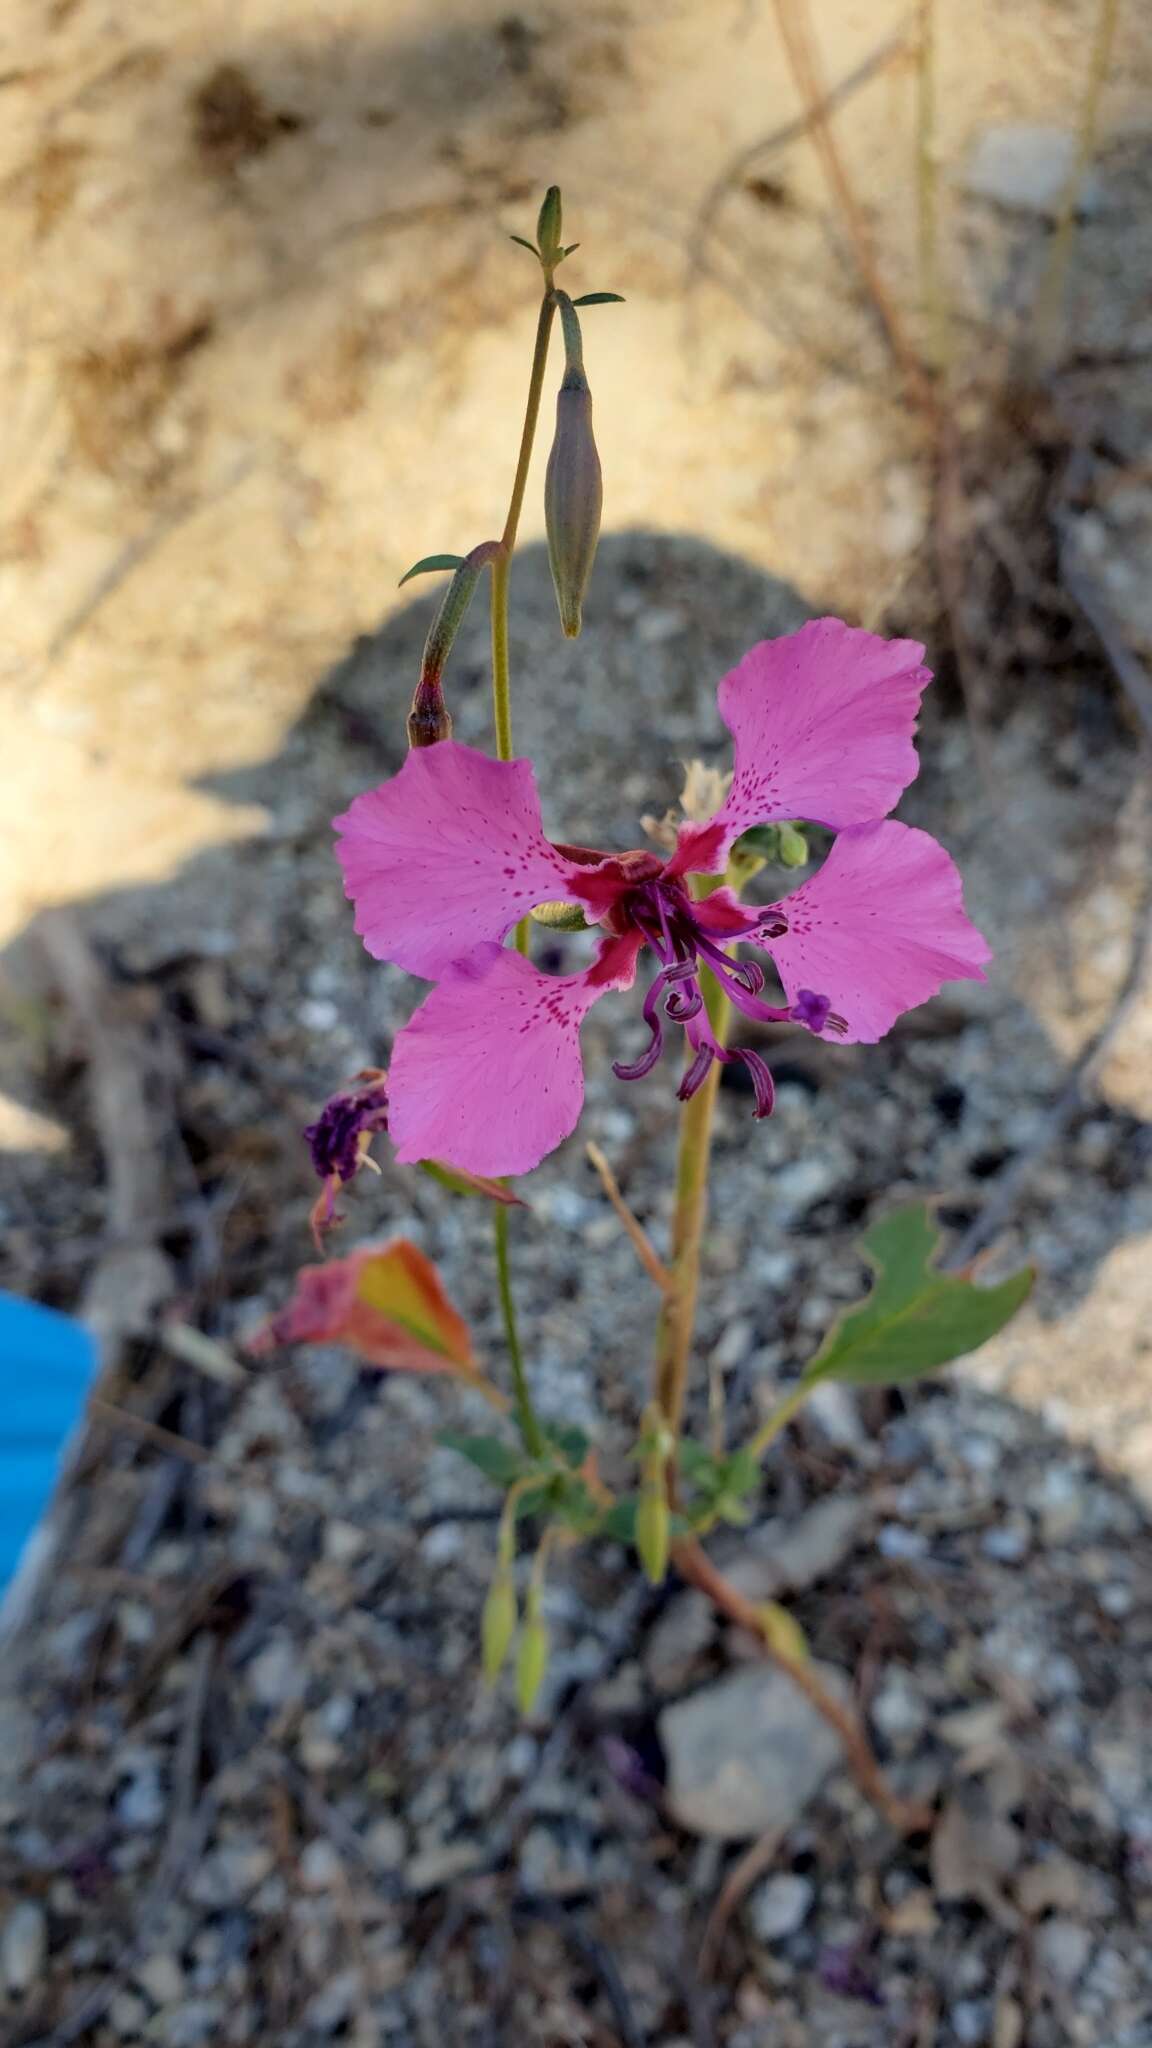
810 1009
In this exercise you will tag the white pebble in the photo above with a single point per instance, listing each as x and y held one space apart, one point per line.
781 1906
23 1946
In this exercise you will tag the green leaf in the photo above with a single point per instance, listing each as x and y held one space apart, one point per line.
916 1318
429 563
571 1442
600 299
531 246
620 1521
460 1182
500 1462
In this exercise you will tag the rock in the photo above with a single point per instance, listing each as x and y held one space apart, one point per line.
23 1946
278 1676
970 2021
1059 1885
555 1863
127 2015
320 1866
386 1845
343 1541
1025 166
187 2025
678 1636
973 1850
441 1862
1063 1948
160 1978
797 1186
748 1753
899 1712
1007 1542
835 1410
787 1557
780 1905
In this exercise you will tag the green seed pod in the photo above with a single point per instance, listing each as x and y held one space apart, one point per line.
573 485
499 1622
531 1662
652 1533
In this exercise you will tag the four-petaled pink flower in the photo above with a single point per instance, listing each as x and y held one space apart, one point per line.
445 858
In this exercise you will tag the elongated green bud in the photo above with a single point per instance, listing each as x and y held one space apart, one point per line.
429 720
573 485
499 1622
531 1662
793 846
549 222
653 1531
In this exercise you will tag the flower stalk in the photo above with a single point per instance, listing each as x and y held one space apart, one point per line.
678 1312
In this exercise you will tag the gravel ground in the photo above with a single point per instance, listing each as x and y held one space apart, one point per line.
255 1792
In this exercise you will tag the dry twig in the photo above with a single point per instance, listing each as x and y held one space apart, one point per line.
638 1237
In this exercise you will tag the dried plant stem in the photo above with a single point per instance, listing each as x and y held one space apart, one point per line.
928 190
678 1314
1050 297
634 1230
908 1816
796 34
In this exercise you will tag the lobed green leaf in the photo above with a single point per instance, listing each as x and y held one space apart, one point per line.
916 1318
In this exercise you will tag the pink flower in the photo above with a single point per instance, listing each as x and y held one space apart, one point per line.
444 859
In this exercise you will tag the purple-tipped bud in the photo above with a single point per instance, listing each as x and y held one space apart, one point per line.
429 719
573 499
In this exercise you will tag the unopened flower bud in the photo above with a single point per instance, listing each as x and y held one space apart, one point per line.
653 1532
498 1625
573 486
429 719
549 222
793 846
531 1662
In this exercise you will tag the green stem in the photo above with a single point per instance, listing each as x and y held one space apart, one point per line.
502 565
530 1430
678 1315
779 1418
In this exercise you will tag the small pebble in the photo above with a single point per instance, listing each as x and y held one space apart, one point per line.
1063 1948
23 1946
780 1906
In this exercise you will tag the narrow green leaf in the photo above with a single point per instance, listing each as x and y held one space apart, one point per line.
430 562
916 1318
500 1462
459 1182
531 246
600 299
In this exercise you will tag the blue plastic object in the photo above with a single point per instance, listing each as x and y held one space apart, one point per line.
47 1364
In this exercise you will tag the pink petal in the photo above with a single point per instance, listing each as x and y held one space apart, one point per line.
878 929
488 1074
823 721
448 854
